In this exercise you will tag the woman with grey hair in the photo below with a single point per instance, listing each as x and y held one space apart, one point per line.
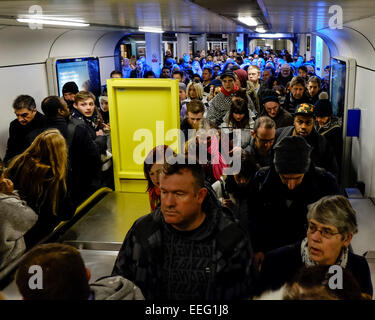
331 226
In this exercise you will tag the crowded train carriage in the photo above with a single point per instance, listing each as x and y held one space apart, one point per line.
185 151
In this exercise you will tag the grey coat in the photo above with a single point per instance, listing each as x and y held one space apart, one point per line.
16 219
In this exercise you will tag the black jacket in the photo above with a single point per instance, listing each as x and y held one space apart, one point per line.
280 265
227 276
283 118
322 154
291 103
17 141
278 215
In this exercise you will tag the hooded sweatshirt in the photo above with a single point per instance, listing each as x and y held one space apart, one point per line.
16 219
115 288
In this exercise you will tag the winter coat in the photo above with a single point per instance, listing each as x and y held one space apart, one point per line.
115 288
278 215
16 219
262 161
282 119
218 264
17 141
291 103
332 131
254 95
322 154
280 265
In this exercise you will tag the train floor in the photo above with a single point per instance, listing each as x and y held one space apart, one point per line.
99 234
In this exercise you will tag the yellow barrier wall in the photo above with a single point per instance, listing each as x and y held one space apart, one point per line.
142 112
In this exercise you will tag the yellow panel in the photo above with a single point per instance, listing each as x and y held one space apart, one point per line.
142 111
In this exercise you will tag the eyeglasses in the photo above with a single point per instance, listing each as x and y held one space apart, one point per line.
325 232
265 141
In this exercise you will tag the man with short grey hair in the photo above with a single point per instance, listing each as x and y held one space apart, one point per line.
28 119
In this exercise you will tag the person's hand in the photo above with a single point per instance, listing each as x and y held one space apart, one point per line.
227 203
106 127
258 260
6 186
100 132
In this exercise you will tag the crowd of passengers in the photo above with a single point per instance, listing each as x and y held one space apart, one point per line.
271 224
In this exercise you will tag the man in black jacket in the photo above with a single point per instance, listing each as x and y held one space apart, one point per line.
322 154
284 190
297 94
187 249
28 119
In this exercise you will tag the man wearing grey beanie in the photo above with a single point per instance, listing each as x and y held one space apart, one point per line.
283 193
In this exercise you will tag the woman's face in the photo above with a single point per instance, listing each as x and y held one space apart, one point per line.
192 93
322 249
238 116
155 173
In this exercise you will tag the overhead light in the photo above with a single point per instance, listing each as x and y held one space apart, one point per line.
273 35
150 29
260 30
52 21
250 21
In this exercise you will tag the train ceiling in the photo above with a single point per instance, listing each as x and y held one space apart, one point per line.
195 16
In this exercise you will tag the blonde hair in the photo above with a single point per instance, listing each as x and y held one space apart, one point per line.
198 89
83 96
40 171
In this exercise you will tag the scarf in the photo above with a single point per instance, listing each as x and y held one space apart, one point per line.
217 160
154 197
229 93
342 260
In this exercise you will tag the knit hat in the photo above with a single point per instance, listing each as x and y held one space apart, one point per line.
182 86
242 76
70 87
323 107
228 73
292 155
304 109
269 95
215 83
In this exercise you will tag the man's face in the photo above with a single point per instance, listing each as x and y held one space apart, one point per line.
264 139
68 96
313 88
64 110
285 71
206 75
228 83
291 180
181 200
297 91
253 75
322 120
302 73
177 76
266 75
139 65
25 116
86 107
182 94
303 125
272 108
116 76
194 118
166 73
216 69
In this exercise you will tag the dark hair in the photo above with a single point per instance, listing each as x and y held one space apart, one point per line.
178 72
239 105
24 101
249 166
115 72
51 105
209 69
312 283
171 166
157 153
149 73
64 273
195 106
303 68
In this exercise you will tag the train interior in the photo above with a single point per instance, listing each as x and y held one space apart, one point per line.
336 33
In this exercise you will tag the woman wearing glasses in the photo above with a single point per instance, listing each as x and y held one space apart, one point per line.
331 226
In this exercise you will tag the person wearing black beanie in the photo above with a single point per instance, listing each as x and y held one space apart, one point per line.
271 108
328 125
69 91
